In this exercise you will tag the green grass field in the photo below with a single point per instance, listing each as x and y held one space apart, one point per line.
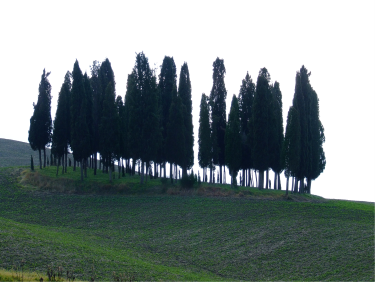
145 233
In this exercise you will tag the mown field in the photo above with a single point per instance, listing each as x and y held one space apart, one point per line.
155 236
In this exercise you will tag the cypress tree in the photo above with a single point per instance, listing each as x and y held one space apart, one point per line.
218 96
184 92
143 112
96 109
167 84
245 103
204 136
233 141
61 125
175 133
109 127
261 157
41 121
299 105
80 134
277 137
291 150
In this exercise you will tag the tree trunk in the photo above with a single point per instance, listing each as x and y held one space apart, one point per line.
44 150
141 168
279 182
118 168
62 163
155 170
57 171
221 174
170 172
275 182
85 167
66 160
309 185
267 178
82 169
295 185
40 158
110 172
74 165
287 184
95 162
261 180
301 186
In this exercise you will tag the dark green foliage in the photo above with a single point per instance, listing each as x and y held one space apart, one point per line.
218 96
143 111
277 138
61 124
96 108
299 105
41 121
261 134
204 138
167 84
188 181
233 141
318 160
245 103
292 143
80 132
109 128
184 92
175 134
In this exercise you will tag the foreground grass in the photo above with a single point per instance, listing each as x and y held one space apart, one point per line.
162 237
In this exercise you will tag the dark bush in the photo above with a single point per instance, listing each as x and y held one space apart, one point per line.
188 181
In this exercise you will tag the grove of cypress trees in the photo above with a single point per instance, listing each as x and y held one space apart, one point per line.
184 92
233 141
218 96
41 121
204 136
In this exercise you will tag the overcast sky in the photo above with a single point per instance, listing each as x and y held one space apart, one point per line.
335 40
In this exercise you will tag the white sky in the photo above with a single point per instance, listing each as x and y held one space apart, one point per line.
335 40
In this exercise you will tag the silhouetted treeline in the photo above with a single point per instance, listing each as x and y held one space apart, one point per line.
153 125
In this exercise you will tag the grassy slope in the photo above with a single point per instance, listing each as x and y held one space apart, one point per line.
16 153
184 237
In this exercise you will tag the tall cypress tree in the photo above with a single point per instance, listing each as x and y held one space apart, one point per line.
167 84
184 92
109 127
218 96
277 137
61 125
80 134
96 109
291 150
143 111
261 150
299 105
245 103
204 136
233 141
41 121
175 133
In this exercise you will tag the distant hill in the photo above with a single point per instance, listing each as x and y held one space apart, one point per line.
16 153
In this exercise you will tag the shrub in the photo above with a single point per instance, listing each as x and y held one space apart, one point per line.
188 181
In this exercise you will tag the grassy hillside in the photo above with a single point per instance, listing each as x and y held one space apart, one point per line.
16 153
173 237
